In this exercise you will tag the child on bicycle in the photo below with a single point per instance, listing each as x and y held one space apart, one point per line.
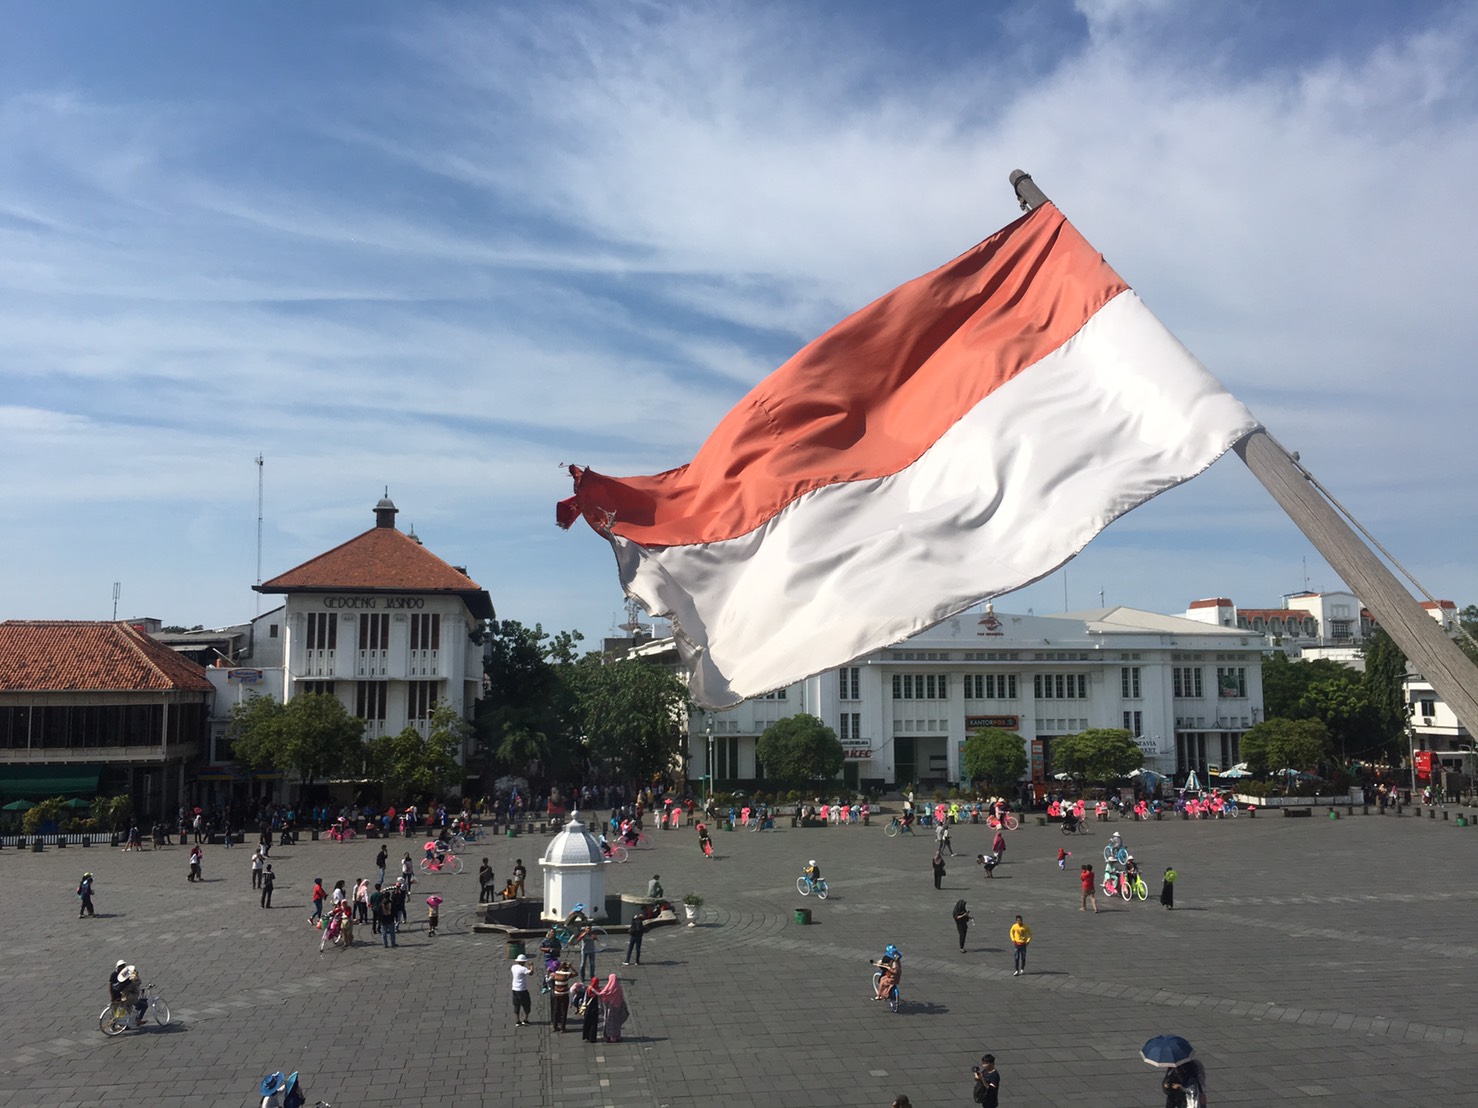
812 871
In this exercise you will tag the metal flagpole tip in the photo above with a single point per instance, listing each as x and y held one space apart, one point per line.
1026 190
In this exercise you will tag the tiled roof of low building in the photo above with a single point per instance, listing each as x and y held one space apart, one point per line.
90 656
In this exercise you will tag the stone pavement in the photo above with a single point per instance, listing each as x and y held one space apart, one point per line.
1306 960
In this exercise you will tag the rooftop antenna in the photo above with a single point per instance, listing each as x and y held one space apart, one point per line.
117 591
260 465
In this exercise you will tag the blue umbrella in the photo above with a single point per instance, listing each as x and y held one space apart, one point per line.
1166 1051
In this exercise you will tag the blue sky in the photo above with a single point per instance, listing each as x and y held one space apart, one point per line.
450 249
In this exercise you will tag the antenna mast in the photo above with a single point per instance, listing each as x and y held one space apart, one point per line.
259 530
117 591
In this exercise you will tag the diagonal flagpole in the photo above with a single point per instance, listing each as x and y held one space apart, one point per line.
1420 637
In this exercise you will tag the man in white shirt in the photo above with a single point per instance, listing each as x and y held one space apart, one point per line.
522 1002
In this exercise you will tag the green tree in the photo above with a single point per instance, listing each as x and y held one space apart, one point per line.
1285 681
630 714
421 767
311 734
1385 672
1277 744
524 722
800 750
112 812
995 757
1467 637
1098 755
48 811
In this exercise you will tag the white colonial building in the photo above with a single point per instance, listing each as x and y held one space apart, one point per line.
1186 689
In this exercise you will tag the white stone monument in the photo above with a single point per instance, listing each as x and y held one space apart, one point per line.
574 873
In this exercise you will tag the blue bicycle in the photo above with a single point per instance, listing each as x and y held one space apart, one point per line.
805 886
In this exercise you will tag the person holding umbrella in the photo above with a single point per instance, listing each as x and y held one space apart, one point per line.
1184 1082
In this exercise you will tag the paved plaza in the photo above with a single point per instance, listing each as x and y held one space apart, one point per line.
1309 959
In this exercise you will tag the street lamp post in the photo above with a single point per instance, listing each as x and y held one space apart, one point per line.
708 765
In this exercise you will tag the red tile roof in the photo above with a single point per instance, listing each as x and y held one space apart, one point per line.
382 559
90 656
1217 602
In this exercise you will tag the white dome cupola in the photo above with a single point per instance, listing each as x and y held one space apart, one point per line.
574 873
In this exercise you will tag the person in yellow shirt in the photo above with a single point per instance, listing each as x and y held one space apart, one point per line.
1021 935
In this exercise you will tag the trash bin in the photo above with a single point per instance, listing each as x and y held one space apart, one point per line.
803 915
315 835
512 832
515 948
184 838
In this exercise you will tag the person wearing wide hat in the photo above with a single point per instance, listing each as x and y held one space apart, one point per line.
84 890
282 1092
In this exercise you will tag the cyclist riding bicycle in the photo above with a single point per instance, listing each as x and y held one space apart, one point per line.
131 992
813 871
605 847
891 965
114 985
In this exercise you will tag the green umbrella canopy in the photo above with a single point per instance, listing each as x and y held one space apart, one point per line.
18 806
76 802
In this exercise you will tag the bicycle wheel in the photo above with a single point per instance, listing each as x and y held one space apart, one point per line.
114 1020
1066 830
455 861
821 889
1108 854
1012 823
1110 890
602 940
1141 890
891 829
893 999
425 865
621 854
1126 890
1121 855
993 823
803 886
564 935
877 979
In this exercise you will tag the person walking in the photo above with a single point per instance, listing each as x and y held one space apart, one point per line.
380 859
319 896
195 860
376 895
987 1089
962 918
361 901
633 943
522 1003
399 894
1167 888
998 845
943 839
1085 878
1021 936
257 862
268 880
84 891
938 868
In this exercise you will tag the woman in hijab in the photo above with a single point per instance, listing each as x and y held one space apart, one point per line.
962 921
613 1003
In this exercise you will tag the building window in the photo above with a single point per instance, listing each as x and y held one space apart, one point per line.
1231 682
420 699
271 630
1060 686
1129 683
317 688
323 631
1134 723
920 686
369 700
425 631
849 726
1187 681
851 683
374 631
990 686
778 694
1429 708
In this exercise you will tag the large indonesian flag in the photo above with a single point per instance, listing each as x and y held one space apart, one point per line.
961 437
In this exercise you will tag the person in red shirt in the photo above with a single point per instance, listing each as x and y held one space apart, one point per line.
1085 875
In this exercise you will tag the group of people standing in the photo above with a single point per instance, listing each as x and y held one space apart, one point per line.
596 1004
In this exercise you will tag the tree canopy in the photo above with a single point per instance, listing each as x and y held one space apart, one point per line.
800 750
1278 744
1099 754
524 722
312 734
421 767
631 713
995 757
